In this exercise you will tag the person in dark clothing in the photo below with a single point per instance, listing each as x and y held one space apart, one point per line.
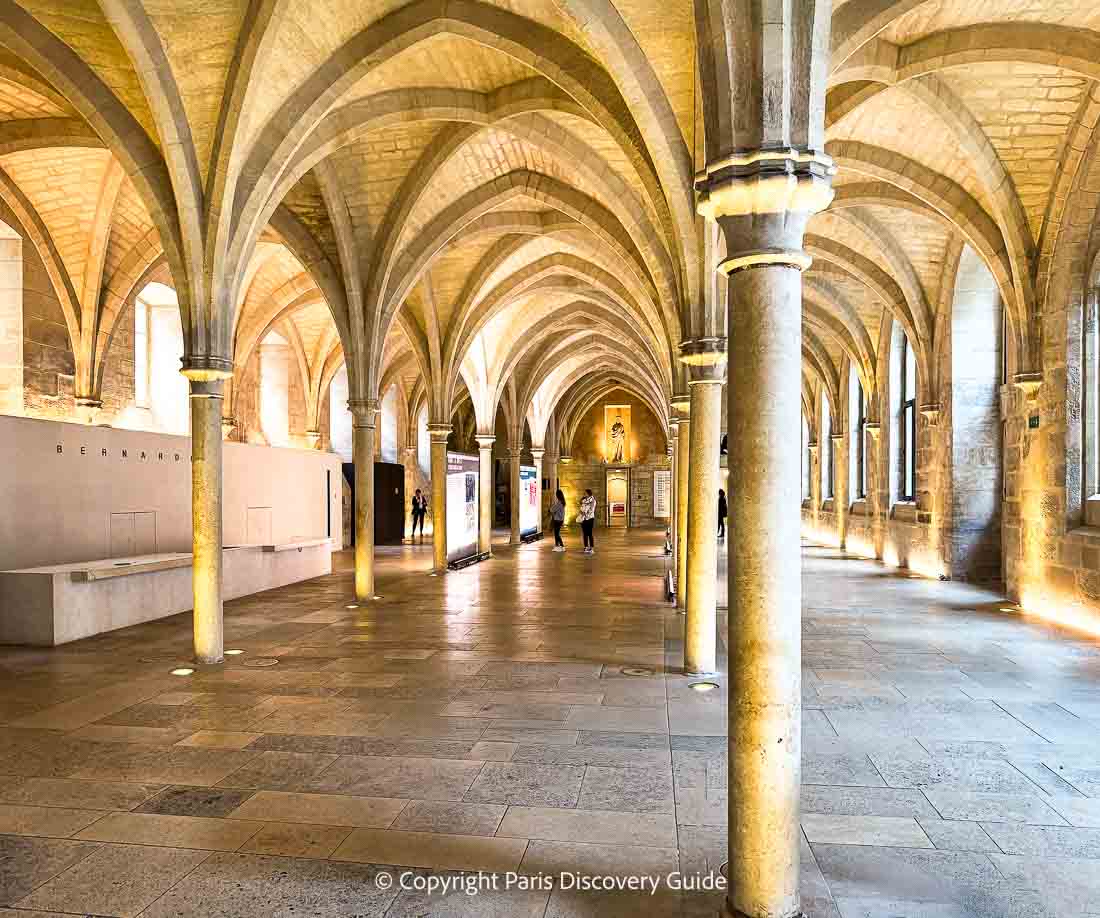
723 511
419 510
587 516
557 519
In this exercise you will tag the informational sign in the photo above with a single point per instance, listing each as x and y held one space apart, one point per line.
662 493
528 501
463 474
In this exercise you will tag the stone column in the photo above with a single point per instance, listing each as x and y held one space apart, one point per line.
550 470
363 413
439 434
706 359
513 478
485 495
683 466
762 203
206 517
537 455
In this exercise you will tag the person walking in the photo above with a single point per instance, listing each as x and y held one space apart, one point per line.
557 519
723 511
587 516
419 510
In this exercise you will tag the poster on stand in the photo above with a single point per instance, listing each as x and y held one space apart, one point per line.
463 473
662 493
528 501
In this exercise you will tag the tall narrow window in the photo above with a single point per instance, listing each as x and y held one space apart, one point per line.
142 343
857 414
806 464
908 422
826 449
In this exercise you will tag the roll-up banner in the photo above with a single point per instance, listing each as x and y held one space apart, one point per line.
463 473
528 501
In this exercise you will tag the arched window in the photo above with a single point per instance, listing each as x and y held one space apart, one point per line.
806 463
339 417
387 425
275 389
423 442
160 390
903 384
825 442
11 321
857 445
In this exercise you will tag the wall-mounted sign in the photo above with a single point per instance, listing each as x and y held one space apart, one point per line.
662 493
1033 422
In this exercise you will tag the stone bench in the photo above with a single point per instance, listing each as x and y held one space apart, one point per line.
46 606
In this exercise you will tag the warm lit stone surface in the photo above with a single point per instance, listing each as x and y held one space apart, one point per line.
950 764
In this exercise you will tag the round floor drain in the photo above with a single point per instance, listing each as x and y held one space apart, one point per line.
261 661
635 671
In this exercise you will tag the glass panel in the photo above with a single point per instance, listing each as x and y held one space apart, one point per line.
910 458
910 372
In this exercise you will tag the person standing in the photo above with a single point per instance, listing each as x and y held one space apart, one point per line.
419 511
723 511
557 519
587 516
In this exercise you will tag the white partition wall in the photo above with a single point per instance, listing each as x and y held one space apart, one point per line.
65 488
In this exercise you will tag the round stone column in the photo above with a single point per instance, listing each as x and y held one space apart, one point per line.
485 495
674 481
707 362
683 465
439 434
363 413
206 516
514 483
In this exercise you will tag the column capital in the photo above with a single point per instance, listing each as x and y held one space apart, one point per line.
515 452
313 438
1029 383
679 406
439 432
485 441
705 359
537 454
364 411
565 458
229 424
765 182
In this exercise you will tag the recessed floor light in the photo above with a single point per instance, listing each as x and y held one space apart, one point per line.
376 597
182 671
703 686
233 653
261 661
352 605
1009 609
635 671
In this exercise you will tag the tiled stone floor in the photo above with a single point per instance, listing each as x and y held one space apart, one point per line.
482 721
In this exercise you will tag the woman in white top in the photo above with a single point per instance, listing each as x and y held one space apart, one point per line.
587 516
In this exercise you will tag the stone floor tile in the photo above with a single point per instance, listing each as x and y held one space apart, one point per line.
892 831
620 720
1029 808
552 858
1045 841
450 818
455 901
1078 811
194 801
865 801
219 739
955 835
853 769
430 849
232 885
529 736
398 776
981 775
87 795
115 880
326 809
590 826
279 769
58 822
26 863
639 790
296 840
492 751
590 755
526 785
174 831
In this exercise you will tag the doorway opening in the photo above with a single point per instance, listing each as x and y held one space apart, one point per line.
618 498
